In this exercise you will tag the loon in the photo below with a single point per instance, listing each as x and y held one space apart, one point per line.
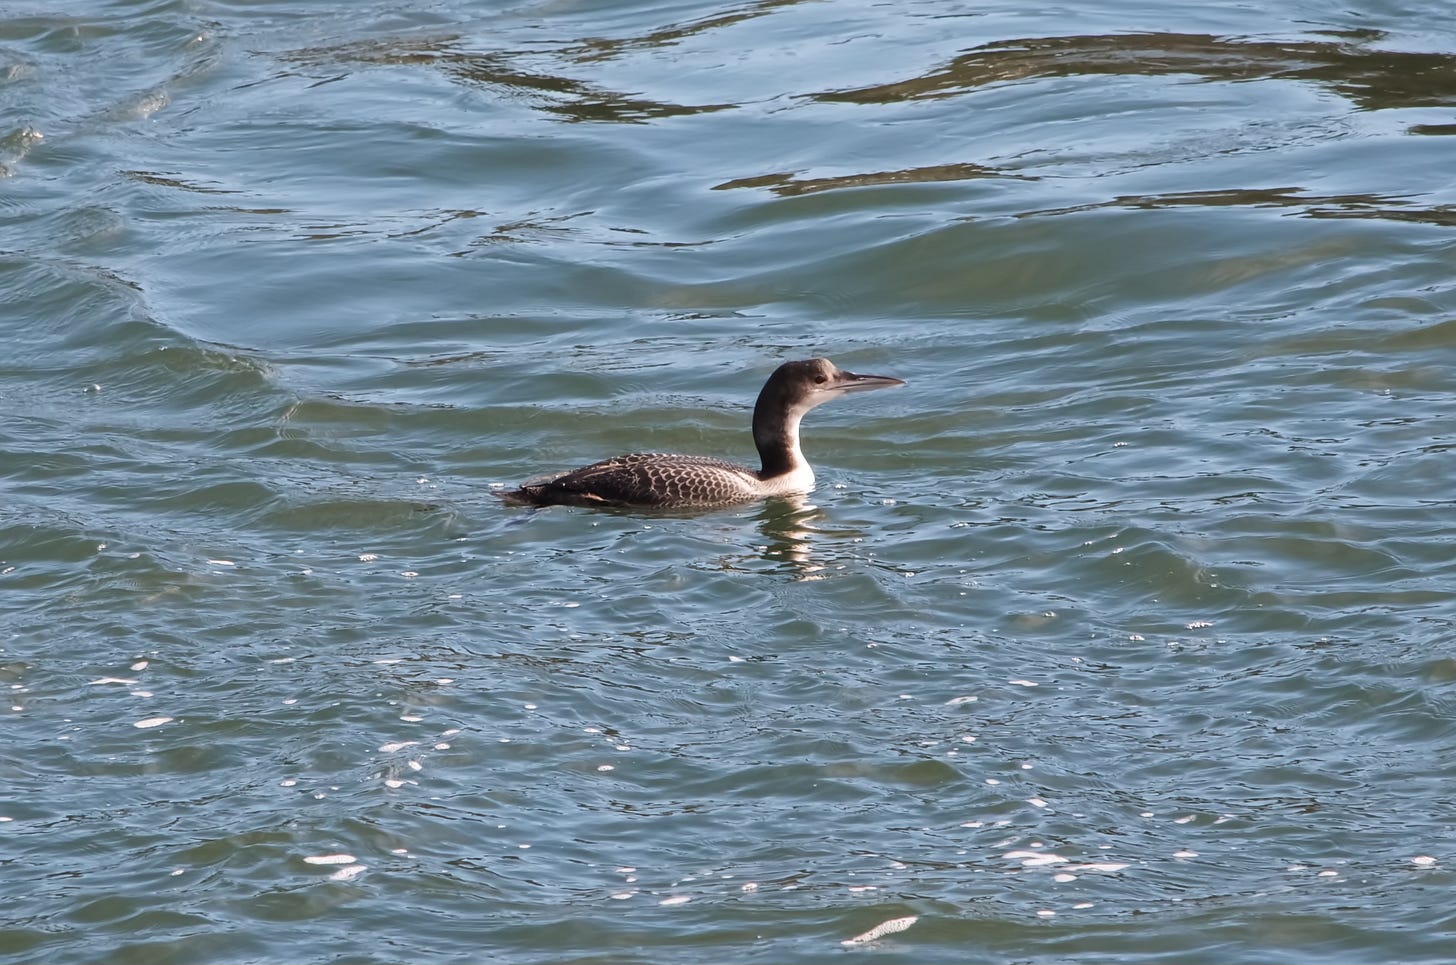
661 480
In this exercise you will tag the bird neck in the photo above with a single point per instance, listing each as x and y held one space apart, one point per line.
776 434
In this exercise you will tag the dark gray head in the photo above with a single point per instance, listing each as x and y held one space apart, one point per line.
794 389
800 386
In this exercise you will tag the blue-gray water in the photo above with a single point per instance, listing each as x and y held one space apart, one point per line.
1125 632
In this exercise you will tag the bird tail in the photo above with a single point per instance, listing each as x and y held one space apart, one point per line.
525 496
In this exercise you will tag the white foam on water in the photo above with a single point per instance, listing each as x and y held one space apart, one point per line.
141 693
411 718
111 680
348 873
1046 913
1063 878
957 701
891 927
1036 802
1185 853
396 746
140 665
222 562
340 858
676 900
606 767
415 766
149 722
1023 683
1034 859
623 895
1043 860
1423 861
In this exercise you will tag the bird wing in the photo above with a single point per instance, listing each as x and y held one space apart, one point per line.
646 479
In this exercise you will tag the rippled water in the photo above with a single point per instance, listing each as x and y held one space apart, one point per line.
1124 632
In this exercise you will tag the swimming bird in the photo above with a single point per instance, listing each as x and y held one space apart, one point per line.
663 480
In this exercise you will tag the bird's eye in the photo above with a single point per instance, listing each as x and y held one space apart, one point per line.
820 379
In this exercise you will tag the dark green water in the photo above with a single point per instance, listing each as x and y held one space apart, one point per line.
1124 633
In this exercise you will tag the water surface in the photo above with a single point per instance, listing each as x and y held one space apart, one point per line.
1122 633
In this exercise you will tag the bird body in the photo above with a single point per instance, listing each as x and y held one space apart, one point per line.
670 480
